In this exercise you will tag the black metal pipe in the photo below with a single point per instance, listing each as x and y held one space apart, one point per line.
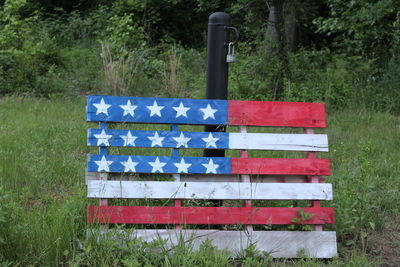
217 68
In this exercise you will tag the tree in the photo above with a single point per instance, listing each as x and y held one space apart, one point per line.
281 36
362 27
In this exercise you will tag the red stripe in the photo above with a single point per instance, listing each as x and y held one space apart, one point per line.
291 114
205 215
280 166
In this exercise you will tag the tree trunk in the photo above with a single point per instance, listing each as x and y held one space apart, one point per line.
291 25
275 29
275 46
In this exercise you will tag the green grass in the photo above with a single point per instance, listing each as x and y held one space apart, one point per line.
43 204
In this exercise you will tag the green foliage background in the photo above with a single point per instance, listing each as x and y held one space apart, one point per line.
348 51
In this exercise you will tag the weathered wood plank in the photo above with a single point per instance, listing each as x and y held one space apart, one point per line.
277 166
156 110
287 142
206 215
204 111
177 139
280 244
236 178
263 113
207 178
205 165
207 190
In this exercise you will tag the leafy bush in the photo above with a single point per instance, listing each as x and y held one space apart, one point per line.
125 34
27 52
76 28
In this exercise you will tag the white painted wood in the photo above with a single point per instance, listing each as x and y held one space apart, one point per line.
203 178
103 201
281 244
290 142
207 190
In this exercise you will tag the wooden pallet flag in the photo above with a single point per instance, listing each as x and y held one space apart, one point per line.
209 182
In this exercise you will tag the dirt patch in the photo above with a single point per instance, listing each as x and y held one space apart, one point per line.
386 244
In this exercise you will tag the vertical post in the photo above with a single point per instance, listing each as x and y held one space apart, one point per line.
313 179
177 176
103 176
217 67
245 177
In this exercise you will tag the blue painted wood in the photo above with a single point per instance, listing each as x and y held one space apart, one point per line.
175 151
156 110
161 164
103 150
167 139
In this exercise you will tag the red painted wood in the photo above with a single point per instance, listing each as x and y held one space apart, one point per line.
204 215
261 113
280 166
178 203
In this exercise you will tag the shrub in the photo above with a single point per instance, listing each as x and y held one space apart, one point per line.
26 51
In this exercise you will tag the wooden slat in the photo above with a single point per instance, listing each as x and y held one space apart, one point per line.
208 178
204 165
286 142
206 190
262 113
204 111
237 178
205 215
276 166
280 244
173 139
156 110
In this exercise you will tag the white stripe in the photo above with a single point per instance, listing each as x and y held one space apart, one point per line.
205 178
290 142
281 244
207 190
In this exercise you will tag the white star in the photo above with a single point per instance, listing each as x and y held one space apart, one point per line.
182 140
208 112
182 166
155 109
211 167
210 141
103 164
181 110
102 107
129 165
129 139
102 138
128 108
157 165
156 140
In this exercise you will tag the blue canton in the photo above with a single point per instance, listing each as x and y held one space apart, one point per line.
157 110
